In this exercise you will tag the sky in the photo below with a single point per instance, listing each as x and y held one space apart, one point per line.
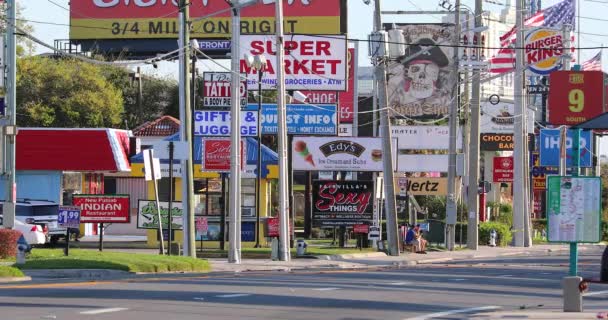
50 19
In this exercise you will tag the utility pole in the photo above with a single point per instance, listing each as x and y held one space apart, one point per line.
234 255
519 146
451 207
472 195
392 233
282 138
186 129
10 134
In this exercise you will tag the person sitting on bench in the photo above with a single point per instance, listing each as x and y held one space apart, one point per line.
410 237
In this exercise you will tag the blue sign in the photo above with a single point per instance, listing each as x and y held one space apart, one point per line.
214 45
301 119
68 217
549 148
217 123
2 107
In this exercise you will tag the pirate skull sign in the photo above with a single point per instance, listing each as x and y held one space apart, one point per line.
422 72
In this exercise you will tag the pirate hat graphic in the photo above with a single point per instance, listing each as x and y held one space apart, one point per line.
430 52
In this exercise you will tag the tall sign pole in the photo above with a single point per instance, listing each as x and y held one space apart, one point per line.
519 146
392 233
282 139
11 124
186 129
451 207
473 196
234 255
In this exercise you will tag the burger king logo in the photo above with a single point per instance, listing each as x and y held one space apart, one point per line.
543 50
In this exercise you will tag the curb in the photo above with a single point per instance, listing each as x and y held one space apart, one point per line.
351 256
15 279
93 274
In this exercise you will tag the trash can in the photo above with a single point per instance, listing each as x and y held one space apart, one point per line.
301 247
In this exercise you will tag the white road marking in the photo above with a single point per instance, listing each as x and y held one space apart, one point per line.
596 293
234 295
100 311
200 299
457 279
326 289
545 273
451 312
506 276
399 283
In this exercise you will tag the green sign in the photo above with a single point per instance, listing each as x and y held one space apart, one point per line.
574 209
147 217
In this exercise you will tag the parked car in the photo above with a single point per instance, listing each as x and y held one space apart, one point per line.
42 213
34 234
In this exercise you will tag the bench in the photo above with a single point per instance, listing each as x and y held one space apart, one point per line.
408 247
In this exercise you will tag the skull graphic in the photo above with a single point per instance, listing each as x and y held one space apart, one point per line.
421 79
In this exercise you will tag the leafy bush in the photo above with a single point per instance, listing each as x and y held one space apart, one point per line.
505 214
604 230
539 224
8 243
504 235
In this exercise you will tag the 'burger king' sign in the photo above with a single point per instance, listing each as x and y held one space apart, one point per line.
543 50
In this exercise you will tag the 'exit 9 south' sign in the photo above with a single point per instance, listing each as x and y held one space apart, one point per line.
575 96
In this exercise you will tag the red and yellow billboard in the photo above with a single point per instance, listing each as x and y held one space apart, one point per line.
575 96
155 19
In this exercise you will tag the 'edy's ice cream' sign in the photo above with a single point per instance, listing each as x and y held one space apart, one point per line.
337 154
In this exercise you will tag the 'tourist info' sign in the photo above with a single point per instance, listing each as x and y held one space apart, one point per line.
342 203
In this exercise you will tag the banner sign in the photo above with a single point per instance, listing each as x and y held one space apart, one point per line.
217 123
216 154
424 137
421 88
217 90
539 173
421 186
156 19
574 209
543 50
337 154
68 217
311 62
347 98
496 142
550 143
575 96
301 119
147 217
97 208
500 118
342 203
428 163
503 169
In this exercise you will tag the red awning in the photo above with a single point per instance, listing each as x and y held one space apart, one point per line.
73 149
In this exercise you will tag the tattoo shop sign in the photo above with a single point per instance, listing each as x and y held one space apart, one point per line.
217 90
342 203
311 62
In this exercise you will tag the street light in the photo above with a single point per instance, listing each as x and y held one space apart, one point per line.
258 62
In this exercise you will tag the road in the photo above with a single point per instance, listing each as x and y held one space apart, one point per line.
441 291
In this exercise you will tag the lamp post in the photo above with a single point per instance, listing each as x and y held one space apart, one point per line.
258 62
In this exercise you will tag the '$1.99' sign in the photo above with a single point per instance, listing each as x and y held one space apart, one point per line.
575 96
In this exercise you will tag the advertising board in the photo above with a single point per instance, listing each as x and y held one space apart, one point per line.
216 154
424 137
500 118
428 163
342 203
503 169
68 217
301 119
575 96
421 88
217 123
337 154
147 217
543 50
311 62
550 143
421 186
99 208
217 92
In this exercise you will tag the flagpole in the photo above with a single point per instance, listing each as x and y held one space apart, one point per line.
578 30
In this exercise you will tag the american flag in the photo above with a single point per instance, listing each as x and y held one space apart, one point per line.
593 64
555 17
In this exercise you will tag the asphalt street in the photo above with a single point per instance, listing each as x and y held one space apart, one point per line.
439 291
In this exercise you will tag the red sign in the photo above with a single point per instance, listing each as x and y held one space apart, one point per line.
113 208
347 98
216 154
575 96
538 202
217 90
361 228
202 225
273 227
319 97
503 169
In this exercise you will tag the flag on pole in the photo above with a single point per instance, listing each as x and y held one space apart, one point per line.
555 16
593 64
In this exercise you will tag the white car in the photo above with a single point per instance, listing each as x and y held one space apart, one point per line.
34 234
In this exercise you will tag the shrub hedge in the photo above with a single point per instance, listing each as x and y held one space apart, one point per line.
504 235
8 243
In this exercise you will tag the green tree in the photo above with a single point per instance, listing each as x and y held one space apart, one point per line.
65 93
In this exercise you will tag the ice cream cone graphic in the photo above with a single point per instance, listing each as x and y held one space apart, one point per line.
302 149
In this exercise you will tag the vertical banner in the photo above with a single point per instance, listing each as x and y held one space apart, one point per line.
346 99
421 88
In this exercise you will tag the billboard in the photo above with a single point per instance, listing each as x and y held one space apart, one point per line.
337 154
539 173
428 163
95 208
216 154
421 186
347 98
147 215
311 62
500 117
342 203
217 123
424 137
421 88
503 169
575 96
217 90
301 119
157 19
550 144
543 50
